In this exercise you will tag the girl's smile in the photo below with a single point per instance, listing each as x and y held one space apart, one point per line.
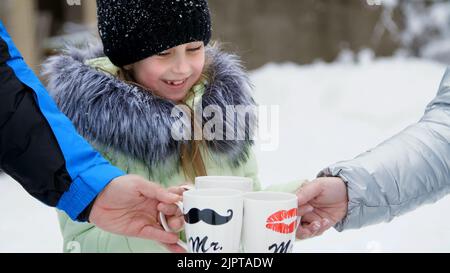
171 73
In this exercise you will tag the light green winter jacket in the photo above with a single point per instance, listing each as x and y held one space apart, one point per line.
130 127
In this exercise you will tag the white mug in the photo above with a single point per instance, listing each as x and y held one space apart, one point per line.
244 184
270 222
213 220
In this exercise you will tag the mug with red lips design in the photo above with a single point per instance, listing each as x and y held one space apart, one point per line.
270 222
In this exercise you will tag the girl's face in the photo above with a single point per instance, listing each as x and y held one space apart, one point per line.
171 73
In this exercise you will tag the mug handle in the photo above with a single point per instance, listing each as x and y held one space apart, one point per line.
163 219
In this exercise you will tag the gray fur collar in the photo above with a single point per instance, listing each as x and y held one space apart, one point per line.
119 116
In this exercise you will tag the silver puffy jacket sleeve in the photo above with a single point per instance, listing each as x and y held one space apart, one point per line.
406 171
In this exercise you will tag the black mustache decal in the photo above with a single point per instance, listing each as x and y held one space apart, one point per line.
208 216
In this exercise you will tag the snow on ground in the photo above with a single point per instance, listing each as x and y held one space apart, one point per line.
328 113
26 225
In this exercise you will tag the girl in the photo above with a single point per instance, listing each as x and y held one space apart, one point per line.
121 98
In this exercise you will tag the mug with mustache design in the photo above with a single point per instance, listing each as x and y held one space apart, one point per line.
270 222
244 184
213 220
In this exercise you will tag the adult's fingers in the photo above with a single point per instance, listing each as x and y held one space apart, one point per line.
176 190
187 186
174 248
310 225
316 228
303 233
169 209
175 223
324 226
310 217
302 210
308 192
309 230
152 233
154 191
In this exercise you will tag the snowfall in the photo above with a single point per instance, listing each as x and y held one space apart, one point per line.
328 112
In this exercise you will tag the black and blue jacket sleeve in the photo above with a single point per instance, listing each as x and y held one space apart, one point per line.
39 146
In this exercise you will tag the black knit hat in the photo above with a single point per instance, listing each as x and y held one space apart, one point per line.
132 30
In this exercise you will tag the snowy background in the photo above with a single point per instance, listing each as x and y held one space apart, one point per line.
333 112
328 112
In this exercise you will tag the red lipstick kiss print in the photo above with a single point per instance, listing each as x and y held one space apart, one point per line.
282 221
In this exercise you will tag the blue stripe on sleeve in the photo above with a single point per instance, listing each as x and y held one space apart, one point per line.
89 171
